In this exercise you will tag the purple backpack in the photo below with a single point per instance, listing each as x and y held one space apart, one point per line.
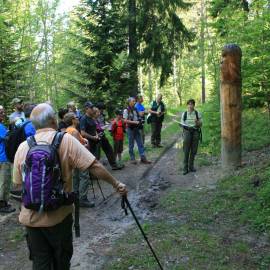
43 185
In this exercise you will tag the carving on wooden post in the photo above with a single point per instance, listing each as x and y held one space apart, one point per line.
231 106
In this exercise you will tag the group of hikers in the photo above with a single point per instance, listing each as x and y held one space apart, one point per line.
53 161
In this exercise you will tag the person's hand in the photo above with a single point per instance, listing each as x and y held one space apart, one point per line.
96 138
121 189
136 122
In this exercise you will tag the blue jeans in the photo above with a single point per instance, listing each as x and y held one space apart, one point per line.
135 135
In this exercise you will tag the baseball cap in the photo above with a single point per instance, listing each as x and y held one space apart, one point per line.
89 104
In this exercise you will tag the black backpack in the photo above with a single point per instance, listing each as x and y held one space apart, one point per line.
13 140
196 113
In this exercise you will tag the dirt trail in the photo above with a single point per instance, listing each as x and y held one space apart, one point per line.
108 222
101 226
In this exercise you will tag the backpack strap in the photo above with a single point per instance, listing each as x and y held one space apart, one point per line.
57 140
31 141
197 115
132 111
185 116
25 123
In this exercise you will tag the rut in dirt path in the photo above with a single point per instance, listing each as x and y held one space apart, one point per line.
101 226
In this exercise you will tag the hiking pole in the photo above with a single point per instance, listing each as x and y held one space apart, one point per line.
92 185
125 203
104 198
77 215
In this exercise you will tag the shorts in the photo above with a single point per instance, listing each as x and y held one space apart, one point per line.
118 147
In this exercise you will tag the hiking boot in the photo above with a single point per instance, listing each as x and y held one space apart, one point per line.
16 195
159 146
116 167
192 169
7 208
134 162
185 172
145 161
86 204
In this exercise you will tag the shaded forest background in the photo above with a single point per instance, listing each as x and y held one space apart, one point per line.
110 49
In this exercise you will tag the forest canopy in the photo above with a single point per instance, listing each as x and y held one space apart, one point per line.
108 50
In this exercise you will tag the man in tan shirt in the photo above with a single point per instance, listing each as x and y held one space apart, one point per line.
49 234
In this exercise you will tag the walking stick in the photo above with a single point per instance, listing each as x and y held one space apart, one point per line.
92 186
125 203
77 215
101 191
93 189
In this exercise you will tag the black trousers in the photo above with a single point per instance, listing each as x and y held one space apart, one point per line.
191 140
51 248
105 145
156 132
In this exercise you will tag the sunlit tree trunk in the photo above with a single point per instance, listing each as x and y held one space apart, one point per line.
150 84
231 107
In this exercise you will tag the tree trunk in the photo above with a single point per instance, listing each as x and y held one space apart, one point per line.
141 80
150 85
202 37
133 48
230 94
175 77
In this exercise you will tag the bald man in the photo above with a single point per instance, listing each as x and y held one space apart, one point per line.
49 234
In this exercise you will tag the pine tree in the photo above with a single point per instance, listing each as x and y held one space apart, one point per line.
104 55
10 67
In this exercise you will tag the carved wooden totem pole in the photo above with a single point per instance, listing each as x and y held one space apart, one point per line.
231 106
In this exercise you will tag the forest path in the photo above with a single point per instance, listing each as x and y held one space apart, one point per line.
105 223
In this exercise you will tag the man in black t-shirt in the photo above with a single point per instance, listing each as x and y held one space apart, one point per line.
88 127
88 131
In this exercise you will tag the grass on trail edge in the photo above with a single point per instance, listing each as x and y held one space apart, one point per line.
255 129
225 228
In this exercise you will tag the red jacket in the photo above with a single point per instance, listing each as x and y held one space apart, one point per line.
118 129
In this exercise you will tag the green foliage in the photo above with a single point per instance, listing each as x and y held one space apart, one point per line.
206 229
102 59
31 36
248 26
10 66
162 33
211 129
255 129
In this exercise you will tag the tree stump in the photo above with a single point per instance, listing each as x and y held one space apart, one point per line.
231 106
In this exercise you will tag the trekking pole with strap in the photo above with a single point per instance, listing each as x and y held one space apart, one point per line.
92 185
77 215
125 203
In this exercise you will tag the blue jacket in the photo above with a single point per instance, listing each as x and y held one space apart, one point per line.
3 133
